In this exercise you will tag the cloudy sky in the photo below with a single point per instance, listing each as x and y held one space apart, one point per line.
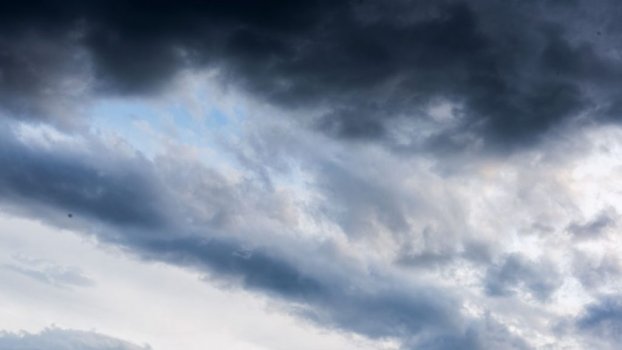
276 175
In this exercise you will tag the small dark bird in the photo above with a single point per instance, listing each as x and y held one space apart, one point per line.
70 215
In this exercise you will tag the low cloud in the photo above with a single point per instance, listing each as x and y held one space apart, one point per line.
517 273
63 339
361 66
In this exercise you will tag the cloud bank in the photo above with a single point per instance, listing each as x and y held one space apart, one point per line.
509 73
438 175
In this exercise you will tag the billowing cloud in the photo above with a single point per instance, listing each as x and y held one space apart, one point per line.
512 72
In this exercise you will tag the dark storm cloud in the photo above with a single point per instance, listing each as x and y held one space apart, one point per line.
596 272
256 268
117 192
41 76
513 69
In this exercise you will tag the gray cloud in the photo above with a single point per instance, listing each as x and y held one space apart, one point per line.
118 192
603 319
446 77
43 77
125 201
596 272
514 71
517 273
63 339
484 334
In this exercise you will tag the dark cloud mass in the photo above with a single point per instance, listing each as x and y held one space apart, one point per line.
117 192
518 273
444 248
513 70
595 227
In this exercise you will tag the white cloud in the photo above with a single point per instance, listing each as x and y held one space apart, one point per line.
153 303
62 339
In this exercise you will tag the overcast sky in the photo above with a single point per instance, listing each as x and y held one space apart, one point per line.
277 175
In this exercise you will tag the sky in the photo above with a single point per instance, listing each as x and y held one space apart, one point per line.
335 175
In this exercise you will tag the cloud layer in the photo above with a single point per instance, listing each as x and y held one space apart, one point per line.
63 339
436 175
509 73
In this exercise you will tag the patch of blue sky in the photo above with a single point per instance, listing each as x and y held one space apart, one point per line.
217 119
148 125
122 117
200 130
